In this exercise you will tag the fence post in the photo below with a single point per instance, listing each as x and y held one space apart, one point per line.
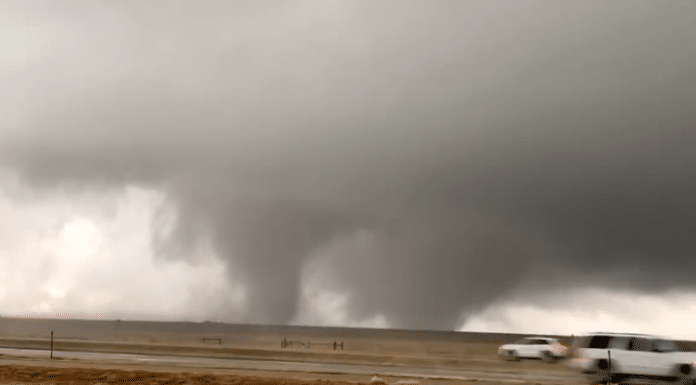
51 345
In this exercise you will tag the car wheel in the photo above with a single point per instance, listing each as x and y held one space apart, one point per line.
512 356
602 375
684 375
546 356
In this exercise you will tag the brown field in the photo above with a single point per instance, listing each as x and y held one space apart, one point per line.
56 375
98 374
384 348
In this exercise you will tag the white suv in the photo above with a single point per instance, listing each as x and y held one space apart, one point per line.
612 357
547 349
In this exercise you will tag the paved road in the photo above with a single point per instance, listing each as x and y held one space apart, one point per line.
289 366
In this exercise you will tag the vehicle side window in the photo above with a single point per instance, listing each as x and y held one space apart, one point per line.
640 345
664 346
631 344
619 343
599 342
644 344
653 347
542 342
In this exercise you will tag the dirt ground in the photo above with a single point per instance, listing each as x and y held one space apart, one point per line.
18 374
94 373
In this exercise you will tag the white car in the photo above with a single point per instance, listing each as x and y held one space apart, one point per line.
545 348
613 357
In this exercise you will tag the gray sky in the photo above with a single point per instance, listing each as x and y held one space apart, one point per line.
422 161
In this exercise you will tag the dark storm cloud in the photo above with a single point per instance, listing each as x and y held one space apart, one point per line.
478 143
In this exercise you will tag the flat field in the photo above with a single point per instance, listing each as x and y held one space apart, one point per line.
393 356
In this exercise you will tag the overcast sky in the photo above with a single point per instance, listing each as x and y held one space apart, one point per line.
522 166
